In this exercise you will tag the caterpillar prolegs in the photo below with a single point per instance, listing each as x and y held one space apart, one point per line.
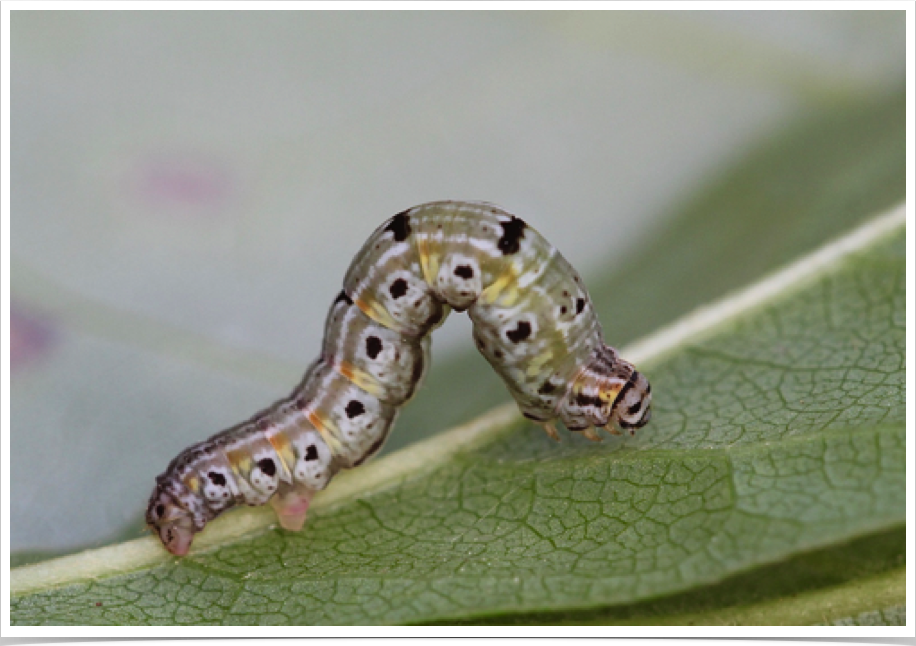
533 322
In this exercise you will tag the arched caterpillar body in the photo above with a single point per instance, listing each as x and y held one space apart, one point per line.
532 321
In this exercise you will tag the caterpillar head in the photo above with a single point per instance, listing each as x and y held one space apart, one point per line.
632 407
608 393
172 523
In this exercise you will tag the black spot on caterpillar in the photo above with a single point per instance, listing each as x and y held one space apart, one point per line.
355 409
513 232
398 288
268 467
373 346
343 298
342 411
464 271
520 333
399 225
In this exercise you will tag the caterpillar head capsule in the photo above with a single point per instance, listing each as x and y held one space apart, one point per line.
172 523
608 393
633 405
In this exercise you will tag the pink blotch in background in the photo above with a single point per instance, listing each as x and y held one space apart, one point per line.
31 337
189 184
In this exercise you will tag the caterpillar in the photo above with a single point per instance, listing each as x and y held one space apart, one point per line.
532 321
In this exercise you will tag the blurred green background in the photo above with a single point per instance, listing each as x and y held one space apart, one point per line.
189 188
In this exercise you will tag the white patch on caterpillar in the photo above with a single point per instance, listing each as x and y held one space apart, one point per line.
459 281
313 460
220 488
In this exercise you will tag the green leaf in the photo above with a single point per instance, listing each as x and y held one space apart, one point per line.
778 428
851 584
